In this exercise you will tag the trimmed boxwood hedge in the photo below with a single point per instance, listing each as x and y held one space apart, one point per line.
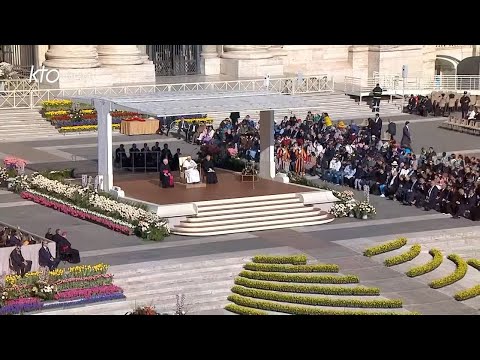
457 275
406 256
300 278
242 310
307 289
299 259
316 300
385 247
468 293
301 310
287 268
474 263
437 259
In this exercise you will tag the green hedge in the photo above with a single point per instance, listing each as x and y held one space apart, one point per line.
307 289
457 275
437 259
406 256
299 259
468 293
287 268
300 278
316 300
300 310
242 310
385 247
474 263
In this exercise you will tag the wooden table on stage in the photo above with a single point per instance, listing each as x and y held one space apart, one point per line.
147 127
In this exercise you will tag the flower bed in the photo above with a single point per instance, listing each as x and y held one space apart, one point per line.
468 293
474 263
457 275
59 288
242 310
299 278
280 259
81 128
99 208
316 300
385 247
286 268
406 256
57 105
437 259
308 288
75 211
300 310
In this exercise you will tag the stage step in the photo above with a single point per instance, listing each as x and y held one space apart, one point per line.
229 216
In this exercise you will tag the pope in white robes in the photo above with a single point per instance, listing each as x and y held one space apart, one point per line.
191 173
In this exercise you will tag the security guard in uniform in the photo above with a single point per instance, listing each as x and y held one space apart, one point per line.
377 96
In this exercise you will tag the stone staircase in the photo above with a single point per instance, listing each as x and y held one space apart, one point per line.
338 105
204 280
24 124
228 216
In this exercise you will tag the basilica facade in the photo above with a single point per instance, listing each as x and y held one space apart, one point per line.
112 65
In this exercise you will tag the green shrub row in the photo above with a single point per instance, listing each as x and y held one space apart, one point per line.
457 275
406 256
474 263
385 247
468 293
242 310
299 259
287 268
437 259
300 278
316 300
301 310
307 289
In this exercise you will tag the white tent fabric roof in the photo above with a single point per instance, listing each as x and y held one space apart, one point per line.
163 104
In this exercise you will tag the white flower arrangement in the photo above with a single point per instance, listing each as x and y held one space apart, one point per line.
6 71
364 208
339 210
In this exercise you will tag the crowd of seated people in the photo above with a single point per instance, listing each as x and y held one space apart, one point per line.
442 105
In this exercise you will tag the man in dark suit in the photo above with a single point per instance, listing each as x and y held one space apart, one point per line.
392 129
465 104
166 153
406 138
14 239
431 198
45 258
376 126
18 263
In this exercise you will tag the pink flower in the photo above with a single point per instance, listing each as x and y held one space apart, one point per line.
87 293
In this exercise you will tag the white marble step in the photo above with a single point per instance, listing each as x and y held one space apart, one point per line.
247 204
249 199
252 209
305 211
212 231
215 221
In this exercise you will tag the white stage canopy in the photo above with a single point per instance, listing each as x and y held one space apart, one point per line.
163 104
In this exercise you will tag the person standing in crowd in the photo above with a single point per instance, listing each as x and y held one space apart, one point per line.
209 170
392 129
406 141
377 96
376 126
464 104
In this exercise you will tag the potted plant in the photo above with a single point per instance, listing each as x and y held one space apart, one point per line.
364 210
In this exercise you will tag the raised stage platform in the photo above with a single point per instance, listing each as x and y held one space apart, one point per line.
230 206
146 187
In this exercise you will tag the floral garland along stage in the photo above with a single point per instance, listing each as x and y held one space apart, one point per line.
59 288
346 206
89 205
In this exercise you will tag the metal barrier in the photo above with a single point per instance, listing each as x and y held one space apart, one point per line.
396 85
144 161
32 97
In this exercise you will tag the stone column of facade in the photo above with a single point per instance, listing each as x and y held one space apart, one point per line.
40 51
267 160
250 61
277 50
143 53
71 57
210 62
126 64
119 55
